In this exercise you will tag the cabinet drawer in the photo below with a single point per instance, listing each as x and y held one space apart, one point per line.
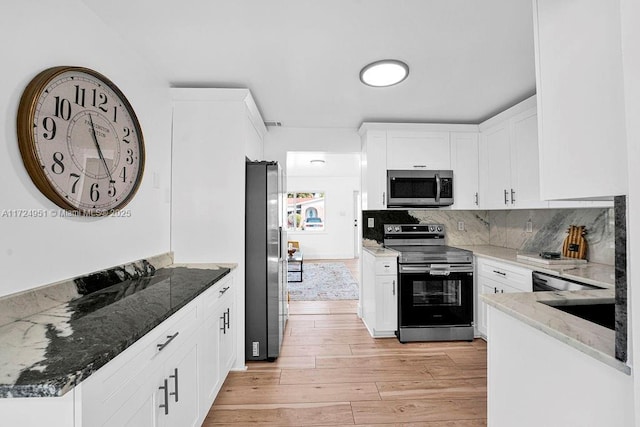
507 274
386 266
212 295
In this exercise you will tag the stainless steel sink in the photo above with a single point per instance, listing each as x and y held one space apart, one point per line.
602 314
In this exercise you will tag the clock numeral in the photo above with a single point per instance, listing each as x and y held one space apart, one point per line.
50 126
94 194
75 183
115 114
63 108
57 167
123 174
99 100
127 134
112 189
129 158
80 93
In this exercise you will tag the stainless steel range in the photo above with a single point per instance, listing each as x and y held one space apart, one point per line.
435 284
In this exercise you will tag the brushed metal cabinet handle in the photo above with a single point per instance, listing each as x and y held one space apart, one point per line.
476 198
506 193
224 323
165 387
166 343
384 198
175 384
394 288
513 196
223 290
228 315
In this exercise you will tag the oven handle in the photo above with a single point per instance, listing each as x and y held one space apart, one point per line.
437 188
436 270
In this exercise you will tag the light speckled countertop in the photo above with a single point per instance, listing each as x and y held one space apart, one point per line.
588 337
380 251
530 308
600 275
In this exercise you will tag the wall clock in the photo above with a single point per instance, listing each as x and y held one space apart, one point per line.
80 140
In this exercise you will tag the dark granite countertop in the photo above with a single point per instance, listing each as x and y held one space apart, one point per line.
49 352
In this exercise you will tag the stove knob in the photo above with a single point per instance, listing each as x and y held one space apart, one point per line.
389 229
432 228
398 229
439 228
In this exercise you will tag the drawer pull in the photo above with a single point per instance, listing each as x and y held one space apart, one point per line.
166 343
175 383
394 288
495 290
223 290
228 314
165 387
499 272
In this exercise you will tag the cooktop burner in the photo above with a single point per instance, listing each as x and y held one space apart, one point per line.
423 243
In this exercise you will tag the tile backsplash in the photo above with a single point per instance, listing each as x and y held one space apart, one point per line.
508 228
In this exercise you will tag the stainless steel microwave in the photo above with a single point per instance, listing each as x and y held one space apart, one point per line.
419 188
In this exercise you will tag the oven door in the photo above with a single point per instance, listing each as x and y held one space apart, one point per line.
430 295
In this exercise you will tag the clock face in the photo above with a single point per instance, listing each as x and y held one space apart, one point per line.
80 140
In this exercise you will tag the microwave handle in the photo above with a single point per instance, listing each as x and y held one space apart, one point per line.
437 187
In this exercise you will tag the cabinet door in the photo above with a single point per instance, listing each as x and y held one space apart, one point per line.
181 397
497 164
368 297
418 150
386 305
464 162
374 170
209 375
525 167
485 286
583 127
226 334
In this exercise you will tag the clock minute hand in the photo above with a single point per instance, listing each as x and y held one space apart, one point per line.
95 140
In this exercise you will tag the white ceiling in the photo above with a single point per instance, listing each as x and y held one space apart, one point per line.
301 59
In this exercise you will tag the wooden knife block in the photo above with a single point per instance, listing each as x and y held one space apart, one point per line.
575 245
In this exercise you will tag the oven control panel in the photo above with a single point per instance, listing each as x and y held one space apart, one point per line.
414 229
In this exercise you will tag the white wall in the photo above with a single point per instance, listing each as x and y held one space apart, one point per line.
630 10
38 34
339 177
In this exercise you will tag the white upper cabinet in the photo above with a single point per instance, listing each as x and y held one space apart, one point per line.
418 150
418 146
580 89
509 176
374 169
464 162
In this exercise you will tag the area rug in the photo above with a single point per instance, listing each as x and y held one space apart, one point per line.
322 282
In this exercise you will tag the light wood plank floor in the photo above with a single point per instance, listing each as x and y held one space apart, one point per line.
332 373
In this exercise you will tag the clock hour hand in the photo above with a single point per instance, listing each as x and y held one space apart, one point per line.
95 140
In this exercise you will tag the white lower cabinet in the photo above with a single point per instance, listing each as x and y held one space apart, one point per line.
171 376
496 277
380 294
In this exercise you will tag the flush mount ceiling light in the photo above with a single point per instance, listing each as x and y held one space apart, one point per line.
317 162
387 72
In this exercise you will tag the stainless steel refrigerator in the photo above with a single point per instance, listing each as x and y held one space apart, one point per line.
265 261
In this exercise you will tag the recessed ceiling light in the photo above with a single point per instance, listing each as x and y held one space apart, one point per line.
387 72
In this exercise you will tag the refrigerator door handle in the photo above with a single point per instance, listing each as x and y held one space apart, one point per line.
279 243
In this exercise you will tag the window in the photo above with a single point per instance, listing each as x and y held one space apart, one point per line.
305 211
